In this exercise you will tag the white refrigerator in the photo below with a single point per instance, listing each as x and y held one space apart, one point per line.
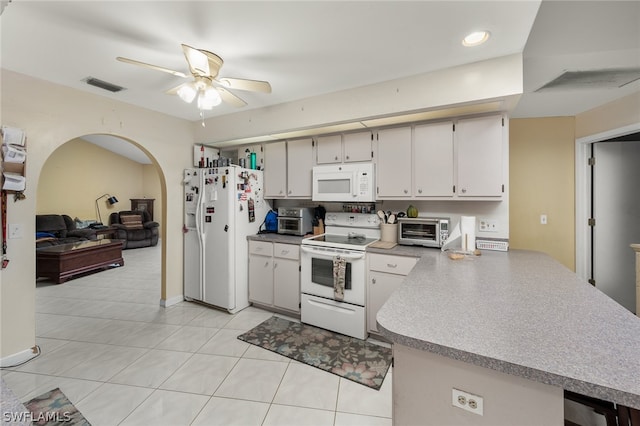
222 206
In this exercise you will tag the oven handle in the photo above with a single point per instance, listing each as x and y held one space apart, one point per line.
327 252
342 309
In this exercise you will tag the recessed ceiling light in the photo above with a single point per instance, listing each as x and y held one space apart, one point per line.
476 38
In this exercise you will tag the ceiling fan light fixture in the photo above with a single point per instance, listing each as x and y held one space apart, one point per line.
208 98
476 38
187 93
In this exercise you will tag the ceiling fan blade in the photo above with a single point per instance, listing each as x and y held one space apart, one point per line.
243 84
174 90
230 98
197 60
153 67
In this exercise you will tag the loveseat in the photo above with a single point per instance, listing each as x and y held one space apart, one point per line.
135 227
55 229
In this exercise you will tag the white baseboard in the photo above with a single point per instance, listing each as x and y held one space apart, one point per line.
165 303
18 358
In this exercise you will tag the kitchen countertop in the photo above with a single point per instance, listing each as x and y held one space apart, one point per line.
522 313
11 407
412 251
276 238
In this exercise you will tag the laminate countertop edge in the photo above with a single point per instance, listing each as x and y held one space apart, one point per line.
521 313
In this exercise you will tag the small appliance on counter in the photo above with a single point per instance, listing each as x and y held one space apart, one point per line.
423 231
295 220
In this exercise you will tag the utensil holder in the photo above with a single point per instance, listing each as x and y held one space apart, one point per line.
389 232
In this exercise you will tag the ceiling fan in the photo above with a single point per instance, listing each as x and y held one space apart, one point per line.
206 87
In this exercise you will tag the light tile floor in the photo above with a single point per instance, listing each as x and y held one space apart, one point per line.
124 360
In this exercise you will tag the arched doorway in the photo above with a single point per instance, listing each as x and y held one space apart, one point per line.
82 169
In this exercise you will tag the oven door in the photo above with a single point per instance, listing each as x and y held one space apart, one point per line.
316 273
289 225
423 232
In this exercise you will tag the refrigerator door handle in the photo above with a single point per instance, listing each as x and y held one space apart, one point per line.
200 232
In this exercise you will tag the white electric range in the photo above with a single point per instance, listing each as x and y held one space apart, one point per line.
346 236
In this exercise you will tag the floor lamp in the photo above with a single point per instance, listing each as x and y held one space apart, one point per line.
111 200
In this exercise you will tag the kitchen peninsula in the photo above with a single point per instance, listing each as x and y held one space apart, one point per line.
514 328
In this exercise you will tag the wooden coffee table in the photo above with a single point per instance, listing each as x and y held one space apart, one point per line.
65 260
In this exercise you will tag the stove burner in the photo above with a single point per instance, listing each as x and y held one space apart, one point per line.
357 237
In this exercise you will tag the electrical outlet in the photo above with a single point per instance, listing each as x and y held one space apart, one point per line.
467 401
488 225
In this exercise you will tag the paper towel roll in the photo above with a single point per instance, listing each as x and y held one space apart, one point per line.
468 231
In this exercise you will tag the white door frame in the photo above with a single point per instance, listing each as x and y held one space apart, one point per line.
583 194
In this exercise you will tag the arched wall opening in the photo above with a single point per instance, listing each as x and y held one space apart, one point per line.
76 173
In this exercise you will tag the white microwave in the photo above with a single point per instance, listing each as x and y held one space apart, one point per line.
344 182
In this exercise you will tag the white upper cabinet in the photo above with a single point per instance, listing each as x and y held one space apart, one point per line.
393 174
299 167
479 159
357 146
275 170
433 160
329 149
347 148
288 168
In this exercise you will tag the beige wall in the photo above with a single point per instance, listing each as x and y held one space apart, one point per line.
78 172
542 180
52 115
614 115
422 393
151 189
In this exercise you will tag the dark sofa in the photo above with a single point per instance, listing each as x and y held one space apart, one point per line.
55 229
135 227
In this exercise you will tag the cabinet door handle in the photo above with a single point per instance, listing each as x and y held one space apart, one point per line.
373 280
289 191
463 190
392 265
347 157
266 264
275 265
336 158
406 191
419 191
284 252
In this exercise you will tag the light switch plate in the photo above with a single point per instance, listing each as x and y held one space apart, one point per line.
15 231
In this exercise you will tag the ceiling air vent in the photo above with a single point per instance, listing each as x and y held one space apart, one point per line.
114 88
595 79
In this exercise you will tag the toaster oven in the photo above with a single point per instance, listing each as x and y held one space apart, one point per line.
423 231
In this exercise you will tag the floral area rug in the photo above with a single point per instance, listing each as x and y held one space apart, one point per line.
354 359
54 408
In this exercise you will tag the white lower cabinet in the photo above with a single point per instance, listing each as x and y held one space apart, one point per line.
261 272
274 275
286 276
386 273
